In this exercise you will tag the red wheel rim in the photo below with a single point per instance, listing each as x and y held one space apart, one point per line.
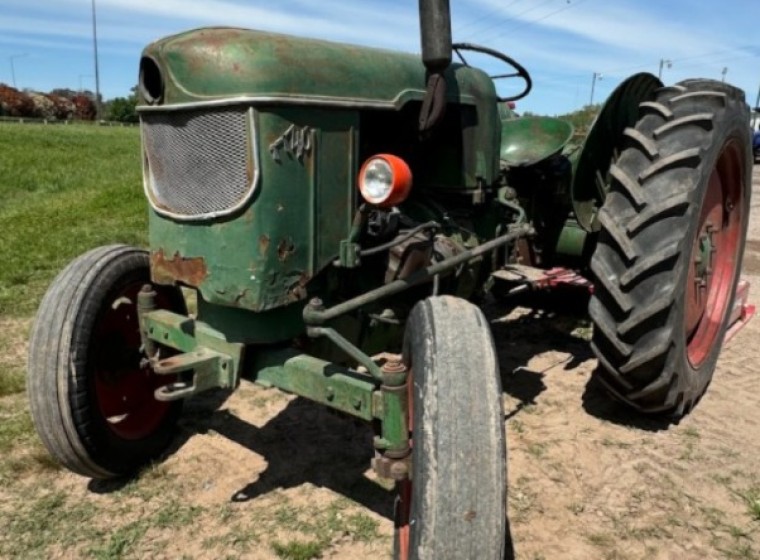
714 256
404 488
124 386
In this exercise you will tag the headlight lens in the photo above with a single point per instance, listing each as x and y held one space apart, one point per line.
385 180
377 180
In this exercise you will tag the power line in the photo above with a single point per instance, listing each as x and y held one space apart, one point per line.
534 21
569 5
507 19
487 15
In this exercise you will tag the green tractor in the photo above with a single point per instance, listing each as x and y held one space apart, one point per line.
337 209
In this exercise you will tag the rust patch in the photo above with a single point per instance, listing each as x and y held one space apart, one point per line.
297 291
285 249
178 269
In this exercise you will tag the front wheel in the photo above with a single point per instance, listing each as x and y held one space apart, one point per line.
455 504
91 395
669 254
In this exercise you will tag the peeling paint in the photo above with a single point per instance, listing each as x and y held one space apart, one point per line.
189 271
285 249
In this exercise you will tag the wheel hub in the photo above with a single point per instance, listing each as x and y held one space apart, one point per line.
714 258
703 260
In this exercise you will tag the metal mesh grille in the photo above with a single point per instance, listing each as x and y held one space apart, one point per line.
199 162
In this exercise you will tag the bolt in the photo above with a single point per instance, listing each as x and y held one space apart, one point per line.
316 303
399 470
357 402
393 366
330 394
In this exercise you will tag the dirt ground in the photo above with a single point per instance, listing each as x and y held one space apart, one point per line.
587 478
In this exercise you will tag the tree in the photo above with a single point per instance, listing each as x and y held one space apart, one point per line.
582 118
122 109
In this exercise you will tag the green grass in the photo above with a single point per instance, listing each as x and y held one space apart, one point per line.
64 189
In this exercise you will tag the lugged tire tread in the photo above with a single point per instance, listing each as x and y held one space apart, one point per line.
638 264
646 144
702 120
631 186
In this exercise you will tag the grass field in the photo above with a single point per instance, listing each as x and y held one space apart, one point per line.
64 189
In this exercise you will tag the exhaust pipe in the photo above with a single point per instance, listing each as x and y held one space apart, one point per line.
435 33
435 30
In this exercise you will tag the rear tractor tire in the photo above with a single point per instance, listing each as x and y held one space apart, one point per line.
454 506
667 262
91 396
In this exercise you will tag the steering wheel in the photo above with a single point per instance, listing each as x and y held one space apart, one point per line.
520 71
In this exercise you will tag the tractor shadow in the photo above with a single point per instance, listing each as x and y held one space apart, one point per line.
303 443
521 335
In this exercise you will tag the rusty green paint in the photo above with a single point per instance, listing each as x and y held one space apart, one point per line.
317 380
528 140
223 62
264 257
394 414
263 327
188 335
188 271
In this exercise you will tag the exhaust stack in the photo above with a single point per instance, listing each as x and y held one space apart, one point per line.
435 32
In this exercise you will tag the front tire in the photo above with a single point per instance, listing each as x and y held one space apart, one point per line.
667 262
455 504
90 396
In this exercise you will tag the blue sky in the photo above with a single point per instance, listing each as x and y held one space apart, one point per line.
561 42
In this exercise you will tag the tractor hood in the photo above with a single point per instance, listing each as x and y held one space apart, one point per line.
216 63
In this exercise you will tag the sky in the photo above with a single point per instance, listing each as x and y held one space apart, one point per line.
564 44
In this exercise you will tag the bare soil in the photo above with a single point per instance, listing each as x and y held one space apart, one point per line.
255 472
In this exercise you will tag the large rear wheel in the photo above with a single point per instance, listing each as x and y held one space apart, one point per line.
454 506
91 394
669 254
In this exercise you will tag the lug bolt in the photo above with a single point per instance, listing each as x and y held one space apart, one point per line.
399 470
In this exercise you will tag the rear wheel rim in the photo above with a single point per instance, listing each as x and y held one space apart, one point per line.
714 256
124 384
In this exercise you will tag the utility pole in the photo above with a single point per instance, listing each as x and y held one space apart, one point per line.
664 62
13 68
97 72
594 78
723 73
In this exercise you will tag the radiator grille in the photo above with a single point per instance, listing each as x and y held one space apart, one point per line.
199 163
